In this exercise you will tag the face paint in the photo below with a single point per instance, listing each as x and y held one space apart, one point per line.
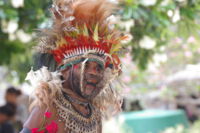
92 77
76 66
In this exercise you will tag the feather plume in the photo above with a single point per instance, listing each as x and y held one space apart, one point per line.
77 17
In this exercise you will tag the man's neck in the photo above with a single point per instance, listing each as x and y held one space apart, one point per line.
74 95
79 103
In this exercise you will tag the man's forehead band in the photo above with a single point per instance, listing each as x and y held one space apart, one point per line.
79 60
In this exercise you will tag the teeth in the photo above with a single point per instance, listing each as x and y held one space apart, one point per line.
77 51
65 55
81 50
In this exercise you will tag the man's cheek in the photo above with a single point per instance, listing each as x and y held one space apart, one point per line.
76 66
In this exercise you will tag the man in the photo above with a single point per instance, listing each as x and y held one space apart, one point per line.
81 50
7 112
12 95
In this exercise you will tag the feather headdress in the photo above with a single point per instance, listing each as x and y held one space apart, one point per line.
81 26
81 30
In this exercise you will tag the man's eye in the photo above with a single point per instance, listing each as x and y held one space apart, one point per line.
99 68
86 65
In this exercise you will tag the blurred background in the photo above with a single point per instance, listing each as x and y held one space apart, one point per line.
161 79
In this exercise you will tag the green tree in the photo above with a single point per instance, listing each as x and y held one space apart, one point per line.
155 21
159 21
19 21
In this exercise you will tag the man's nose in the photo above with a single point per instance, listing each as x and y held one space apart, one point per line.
93 71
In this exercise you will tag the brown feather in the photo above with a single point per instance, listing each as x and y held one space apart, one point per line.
92 11
89 12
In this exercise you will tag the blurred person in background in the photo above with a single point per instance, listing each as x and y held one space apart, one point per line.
13 96
7 113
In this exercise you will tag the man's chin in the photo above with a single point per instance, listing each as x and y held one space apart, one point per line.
90 93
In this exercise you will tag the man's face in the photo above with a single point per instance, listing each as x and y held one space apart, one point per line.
92 77
11 98
3 118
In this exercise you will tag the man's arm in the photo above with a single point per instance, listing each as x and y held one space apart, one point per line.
25 130
34 120
100 127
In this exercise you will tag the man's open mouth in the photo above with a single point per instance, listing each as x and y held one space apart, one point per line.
91 84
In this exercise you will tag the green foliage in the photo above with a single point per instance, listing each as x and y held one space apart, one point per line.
155 21
152 21
14 53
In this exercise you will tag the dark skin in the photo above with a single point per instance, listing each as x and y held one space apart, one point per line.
92 76
3 118
11 98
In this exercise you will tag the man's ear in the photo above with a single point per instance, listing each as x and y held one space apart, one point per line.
65 73
65 70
